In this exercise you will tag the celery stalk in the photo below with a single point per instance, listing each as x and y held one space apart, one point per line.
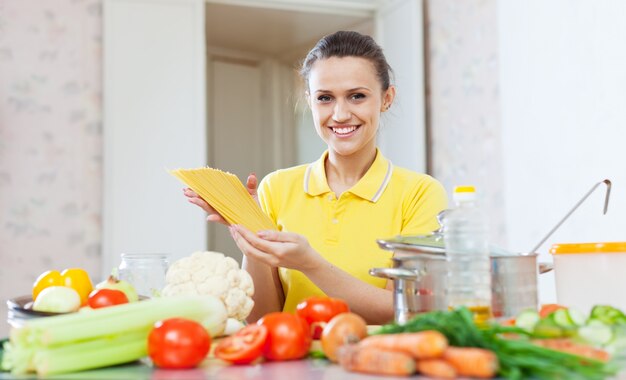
92 354
208 310
102 337
18 359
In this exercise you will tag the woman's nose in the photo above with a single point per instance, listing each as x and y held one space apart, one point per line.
341 112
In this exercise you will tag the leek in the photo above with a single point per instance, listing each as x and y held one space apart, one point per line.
102 337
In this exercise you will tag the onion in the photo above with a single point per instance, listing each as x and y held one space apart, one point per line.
344 328
57 299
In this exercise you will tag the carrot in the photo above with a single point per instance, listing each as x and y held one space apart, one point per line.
437 368
428 344
472 362
356 358
566 345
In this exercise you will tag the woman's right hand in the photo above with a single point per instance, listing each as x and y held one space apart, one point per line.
214 216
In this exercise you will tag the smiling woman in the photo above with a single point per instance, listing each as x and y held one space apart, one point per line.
329 213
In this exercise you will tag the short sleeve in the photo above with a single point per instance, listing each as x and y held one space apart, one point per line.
425 200
266 196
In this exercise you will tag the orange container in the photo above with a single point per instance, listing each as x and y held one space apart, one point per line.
589 274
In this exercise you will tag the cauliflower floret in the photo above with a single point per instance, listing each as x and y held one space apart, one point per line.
215 274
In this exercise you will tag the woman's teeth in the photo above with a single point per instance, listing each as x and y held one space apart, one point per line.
344 131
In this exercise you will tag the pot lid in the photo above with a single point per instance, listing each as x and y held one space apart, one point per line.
427 244
432 246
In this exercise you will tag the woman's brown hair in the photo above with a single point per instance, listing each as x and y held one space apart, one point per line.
349 44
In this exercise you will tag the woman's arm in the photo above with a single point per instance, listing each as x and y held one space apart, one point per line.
290 250
268 293
374 304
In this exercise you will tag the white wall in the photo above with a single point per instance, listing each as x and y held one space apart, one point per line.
563 103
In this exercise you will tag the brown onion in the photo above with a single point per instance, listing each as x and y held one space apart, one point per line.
344 328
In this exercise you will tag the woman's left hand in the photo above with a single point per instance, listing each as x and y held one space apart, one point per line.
275 248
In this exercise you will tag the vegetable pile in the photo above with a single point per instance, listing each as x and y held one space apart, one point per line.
518 356
102 337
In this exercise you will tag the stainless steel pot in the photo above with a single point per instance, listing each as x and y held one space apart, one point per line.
419 272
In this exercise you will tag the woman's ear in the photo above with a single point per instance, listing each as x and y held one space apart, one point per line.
388 96
307 95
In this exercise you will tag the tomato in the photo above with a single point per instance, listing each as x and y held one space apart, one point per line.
75 278
317 311
342 329
106 297
244 347
178 343
288 336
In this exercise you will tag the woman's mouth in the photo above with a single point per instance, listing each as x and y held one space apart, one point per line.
344 131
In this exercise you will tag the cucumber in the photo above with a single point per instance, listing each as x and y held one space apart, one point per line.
527 320
576 317
562 319
596 333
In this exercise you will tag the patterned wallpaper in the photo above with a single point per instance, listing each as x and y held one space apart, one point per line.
463 102
50 140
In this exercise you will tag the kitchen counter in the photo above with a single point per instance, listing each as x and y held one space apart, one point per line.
313 369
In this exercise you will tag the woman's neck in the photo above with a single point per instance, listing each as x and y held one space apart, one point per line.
343 172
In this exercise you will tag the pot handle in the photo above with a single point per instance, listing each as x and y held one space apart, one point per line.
396 273
545 267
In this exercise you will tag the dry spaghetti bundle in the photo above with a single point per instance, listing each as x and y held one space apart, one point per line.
227 195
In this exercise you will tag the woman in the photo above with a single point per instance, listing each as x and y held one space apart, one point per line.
331 212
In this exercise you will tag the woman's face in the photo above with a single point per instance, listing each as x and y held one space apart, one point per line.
346 99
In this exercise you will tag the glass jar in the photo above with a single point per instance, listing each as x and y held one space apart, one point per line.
145 271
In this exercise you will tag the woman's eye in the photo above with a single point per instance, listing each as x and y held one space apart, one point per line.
357 96
323 98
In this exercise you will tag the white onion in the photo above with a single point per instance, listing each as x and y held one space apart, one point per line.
57 299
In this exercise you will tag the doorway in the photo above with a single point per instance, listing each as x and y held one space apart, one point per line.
258 118
177 74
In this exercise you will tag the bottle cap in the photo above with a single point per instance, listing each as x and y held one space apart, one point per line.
464 194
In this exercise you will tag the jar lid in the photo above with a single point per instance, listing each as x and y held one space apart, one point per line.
609 247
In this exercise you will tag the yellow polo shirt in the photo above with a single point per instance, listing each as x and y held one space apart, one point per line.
386 202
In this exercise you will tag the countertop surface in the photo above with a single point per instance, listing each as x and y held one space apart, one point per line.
310 369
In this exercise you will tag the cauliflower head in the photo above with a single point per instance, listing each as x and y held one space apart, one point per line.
215 274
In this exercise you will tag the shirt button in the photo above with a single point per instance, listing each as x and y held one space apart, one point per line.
330 198
334 221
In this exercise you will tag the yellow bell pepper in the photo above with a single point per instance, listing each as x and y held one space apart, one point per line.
75 278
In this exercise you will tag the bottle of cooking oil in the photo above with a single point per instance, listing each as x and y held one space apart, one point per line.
466 241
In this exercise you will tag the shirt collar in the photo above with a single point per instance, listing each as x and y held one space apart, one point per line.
370 187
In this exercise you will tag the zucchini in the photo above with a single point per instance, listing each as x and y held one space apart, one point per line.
527 320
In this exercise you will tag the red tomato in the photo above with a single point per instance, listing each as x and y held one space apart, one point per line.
288 336
244 347
178 343
317 311
106 297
